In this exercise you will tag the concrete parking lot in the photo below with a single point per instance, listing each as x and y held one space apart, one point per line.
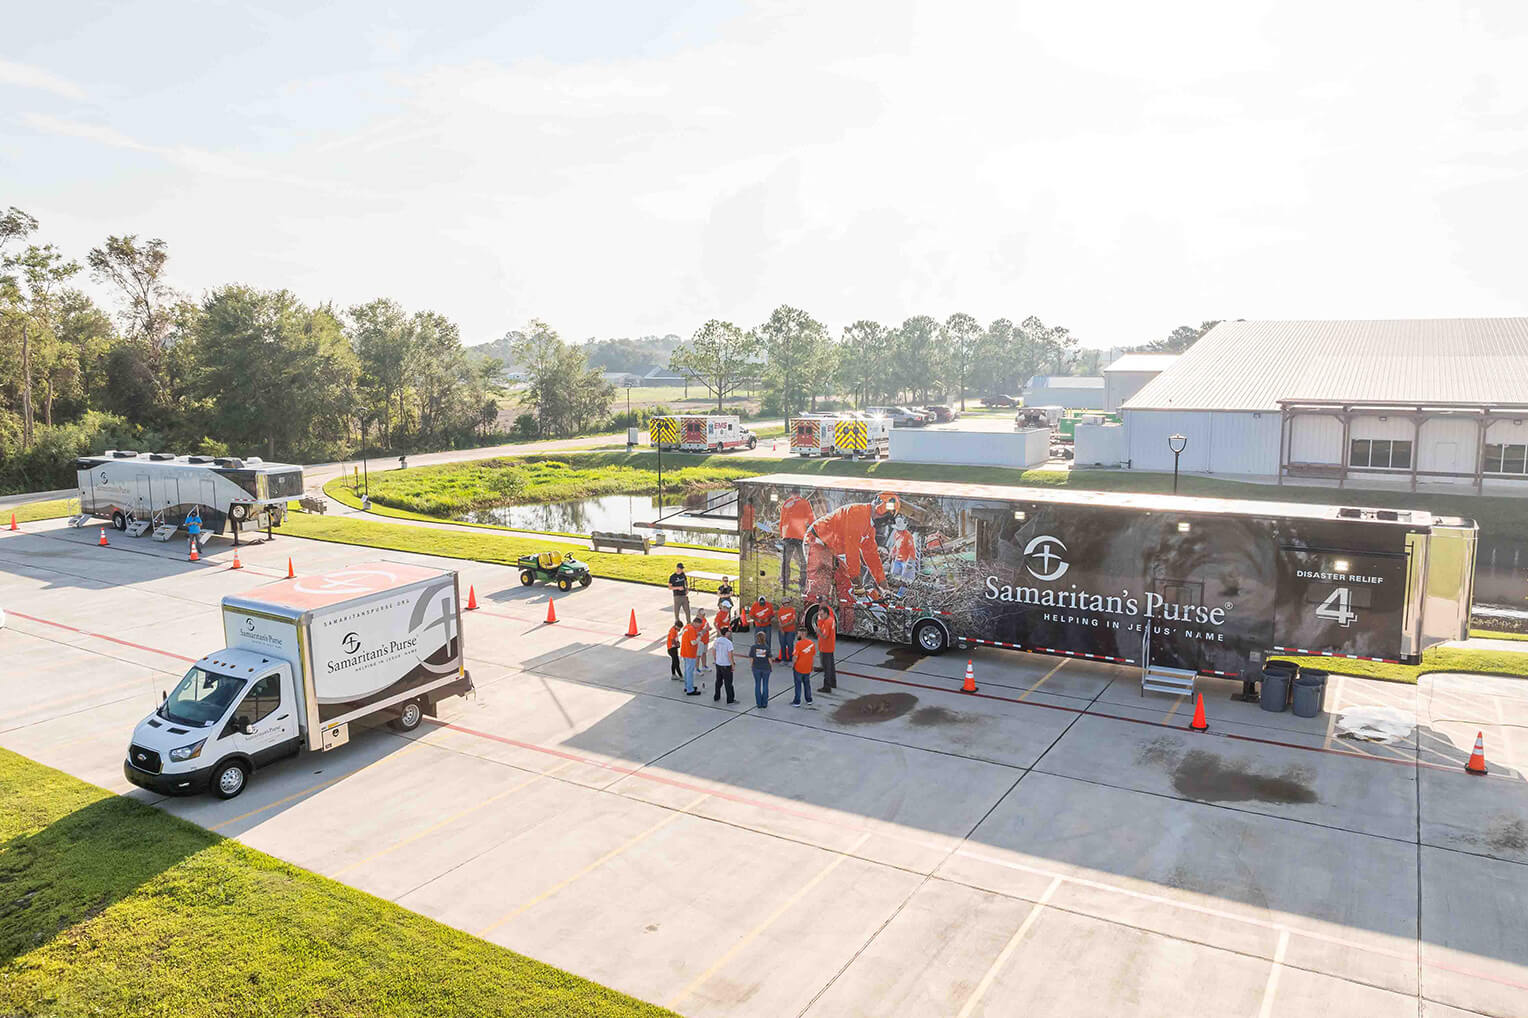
1054 845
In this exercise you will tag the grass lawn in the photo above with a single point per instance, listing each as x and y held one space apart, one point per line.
30 512
112 907
490 546
1434 659
1498 634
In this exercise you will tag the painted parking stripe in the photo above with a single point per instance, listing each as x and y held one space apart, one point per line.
1002 956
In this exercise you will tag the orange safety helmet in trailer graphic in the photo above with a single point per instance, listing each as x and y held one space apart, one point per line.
1212 585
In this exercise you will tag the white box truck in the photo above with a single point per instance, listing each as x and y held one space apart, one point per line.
305 657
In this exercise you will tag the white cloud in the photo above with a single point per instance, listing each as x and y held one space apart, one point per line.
27 76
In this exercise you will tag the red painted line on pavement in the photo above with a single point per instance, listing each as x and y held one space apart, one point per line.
100 636
1395 761
561 622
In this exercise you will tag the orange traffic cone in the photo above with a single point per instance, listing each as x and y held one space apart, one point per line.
1199 724
102 542
631 627
1477 762
194 557
472 599
13 522
969 686
551 612
236 563
290 575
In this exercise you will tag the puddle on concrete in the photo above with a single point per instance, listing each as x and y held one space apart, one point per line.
874 708
1510 837
900 657
1205 776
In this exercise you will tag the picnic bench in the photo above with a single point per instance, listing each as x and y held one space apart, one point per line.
620 542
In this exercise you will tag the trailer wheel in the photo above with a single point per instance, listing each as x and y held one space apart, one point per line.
527 577
230 778
753 443
930 637
409 716
564 584
119 520
585 580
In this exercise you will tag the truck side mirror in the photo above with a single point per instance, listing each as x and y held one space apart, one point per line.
163 696
241 724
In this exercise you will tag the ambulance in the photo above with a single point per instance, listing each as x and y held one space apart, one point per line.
700 433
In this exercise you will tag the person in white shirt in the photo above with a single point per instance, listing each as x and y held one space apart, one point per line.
721 650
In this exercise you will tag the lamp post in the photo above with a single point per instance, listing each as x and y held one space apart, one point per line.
1177 443
631 424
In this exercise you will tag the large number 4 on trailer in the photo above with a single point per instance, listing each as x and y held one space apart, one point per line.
1338 607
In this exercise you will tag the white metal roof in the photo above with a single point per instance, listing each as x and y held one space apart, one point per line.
1142 362
1067 382
1253 365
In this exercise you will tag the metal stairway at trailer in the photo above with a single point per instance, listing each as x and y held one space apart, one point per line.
1162 678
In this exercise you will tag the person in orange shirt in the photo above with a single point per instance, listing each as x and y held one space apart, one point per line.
827 643
705 642
689 650
795 517
840 546
785 620
801 665
763 615
673 649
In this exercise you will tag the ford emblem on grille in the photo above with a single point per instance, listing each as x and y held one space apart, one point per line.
140 758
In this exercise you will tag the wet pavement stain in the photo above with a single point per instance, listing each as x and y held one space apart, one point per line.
930 717
900 658
1204 776
874 708
1510 837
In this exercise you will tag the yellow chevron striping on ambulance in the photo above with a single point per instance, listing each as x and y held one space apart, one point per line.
850 435
663 430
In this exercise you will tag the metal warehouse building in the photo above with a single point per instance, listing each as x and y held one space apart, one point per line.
1405 403
1075 392
1129 374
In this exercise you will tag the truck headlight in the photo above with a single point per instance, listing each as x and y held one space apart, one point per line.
190 752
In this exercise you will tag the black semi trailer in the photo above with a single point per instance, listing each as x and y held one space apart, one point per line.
1207 585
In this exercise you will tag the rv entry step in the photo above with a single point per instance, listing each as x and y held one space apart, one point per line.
78 521
165 531
1173 681
137 528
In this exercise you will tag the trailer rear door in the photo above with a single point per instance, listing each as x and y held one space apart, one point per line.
1340 602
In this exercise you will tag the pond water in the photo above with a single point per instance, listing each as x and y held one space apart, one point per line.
610 512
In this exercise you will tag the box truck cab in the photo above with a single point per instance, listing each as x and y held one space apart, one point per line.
305 658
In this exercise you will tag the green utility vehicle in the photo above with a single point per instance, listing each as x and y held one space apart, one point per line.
556 567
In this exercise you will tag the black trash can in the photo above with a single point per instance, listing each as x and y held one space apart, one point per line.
1277 677
1310 693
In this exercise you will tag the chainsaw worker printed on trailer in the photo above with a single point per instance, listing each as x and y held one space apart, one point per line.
795 517
841 546
904 552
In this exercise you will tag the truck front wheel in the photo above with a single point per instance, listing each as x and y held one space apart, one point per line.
930 637
230 778
409 717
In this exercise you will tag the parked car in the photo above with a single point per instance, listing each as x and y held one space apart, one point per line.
900 416
942 414
999 399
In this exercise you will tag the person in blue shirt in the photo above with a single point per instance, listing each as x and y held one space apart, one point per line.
193 527
758 656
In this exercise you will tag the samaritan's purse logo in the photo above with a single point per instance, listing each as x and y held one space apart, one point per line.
1047 551
351 643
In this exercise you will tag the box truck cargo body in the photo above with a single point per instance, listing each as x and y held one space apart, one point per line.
304 659
1211 585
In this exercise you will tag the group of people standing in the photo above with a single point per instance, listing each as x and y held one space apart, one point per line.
691 645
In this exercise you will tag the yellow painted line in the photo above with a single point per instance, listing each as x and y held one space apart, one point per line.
1044 678
753 934
1335 693
596 864
1272 986
451 819
1173 709
1007 951
317 786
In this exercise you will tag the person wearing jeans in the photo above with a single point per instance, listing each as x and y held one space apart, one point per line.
763 615
689 649
723 656
758 656
802 666
827 642
785 621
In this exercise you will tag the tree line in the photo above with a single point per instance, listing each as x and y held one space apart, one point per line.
797 362
241 370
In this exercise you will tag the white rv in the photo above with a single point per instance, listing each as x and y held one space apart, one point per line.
305 657
140 491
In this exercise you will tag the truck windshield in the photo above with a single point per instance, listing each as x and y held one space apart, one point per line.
201 698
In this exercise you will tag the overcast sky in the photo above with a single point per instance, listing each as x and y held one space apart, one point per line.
626 168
